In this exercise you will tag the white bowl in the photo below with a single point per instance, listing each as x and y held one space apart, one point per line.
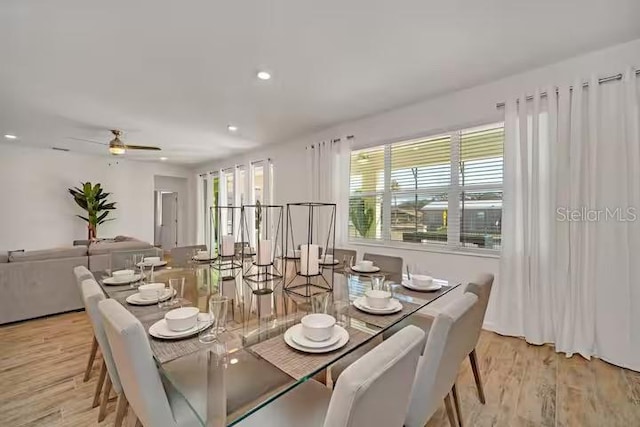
150 290
182 318
123 274
365 265
377 298
328 258
420 281
151 259
318 326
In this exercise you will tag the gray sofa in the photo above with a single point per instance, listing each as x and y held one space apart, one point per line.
41 283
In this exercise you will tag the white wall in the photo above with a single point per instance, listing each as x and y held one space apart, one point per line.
468 107
37 212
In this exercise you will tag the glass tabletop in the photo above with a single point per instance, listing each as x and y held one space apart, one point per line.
250 364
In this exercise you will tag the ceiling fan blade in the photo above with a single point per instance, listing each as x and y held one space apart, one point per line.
141 147
87 140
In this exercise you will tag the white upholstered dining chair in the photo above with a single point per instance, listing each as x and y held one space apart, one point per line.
138 372
373 391
92 295
82 273
446 348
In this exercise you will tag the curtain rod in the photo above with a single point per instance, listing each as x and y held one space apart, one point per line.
585 84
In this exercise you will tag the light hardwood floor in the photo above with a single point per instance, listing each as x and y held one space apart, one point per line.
42 364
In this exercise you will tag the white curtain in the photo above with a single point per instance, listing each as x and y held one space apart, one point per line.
328 163
570 266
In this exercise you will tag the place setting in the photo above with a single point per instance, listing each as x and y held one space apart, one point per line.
365 266
202 256
151 261
328 260
150 294
181 323
123 277
378 300
316 333
420 282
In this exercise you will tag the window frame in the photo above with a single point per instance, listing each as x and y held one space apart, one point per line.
454 193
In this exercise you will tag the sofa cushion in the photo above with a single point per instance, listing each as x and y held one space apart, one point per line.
99 248
4 257
123 239
55 253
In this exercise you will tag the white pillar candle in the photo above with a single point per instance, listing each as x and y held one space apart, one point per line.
228 245
309 260
264 253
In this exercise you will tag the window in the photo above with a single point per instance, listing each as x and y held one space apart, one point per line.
442 190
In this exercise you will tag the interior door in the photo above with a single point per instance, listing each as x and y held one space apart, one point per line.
169 226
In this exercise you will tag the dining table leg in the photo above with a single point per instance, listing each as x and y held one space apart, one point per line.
216 386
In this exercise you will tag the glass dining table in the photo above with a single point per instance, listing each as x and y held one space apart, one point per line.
250 365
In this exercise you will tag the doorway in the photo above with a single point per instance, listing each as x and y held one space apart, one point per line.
166 220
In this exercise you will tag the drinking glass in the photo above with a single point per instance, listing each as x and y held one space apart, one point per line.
341 302
218 308
378 283
176 286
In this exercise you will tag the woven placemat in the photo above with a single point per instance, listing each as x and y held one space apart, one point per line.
383 321
298 364
167 350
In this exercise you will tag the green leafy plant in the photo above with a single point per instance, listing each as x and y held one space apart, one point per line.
94 201
362 216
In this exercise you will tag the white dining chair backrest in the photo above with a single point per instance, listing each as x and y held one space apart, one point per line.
374 390
392 265
82 273
481 287
444 351
92 295
134 360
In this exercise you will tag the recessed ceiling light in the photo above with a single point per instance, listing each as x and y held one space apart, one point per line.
232 128
9 136
164 159
264 75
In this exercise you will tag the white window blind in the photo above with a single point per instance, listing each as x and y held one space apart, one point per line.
443 190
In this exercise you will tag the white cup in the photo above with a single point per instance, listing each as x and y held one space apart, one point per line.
420 281
365 265
377 298
182 318
123 275
150 291
318 326
152 260
327 259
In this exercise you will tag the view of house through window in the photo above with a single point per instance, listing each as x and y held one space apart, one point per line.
442 190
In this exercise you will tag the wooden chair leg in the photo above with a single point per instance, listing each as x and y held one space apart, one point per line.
138 422
456 402
450 414
105 398
96 396
473 358
92 357
121 409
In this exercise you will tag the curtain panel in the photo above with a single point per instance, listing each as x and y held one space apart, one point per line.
570 273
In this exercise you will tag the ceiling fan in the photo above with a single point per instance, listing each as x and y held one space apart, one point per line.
117 147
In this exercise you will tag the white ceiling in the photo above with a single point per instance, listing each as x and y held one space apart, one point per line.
175 73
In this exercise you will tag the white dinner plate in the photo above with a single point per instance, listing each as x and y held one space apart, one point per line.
393 307
116 282
162 331
334 262
342 341
195 258
373 269
136 299
298 337
435 286
152 264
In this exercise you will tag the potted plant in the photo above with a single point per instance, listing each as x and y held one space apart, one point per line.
94 201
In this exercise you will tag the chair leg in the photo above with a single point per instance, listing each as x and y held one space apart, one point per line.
456 402
105 398
96 396
473 358
92 357
138 422
121 409
450 414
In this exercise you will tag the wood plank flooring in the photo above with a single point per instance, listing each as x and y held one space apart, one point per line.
42 363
